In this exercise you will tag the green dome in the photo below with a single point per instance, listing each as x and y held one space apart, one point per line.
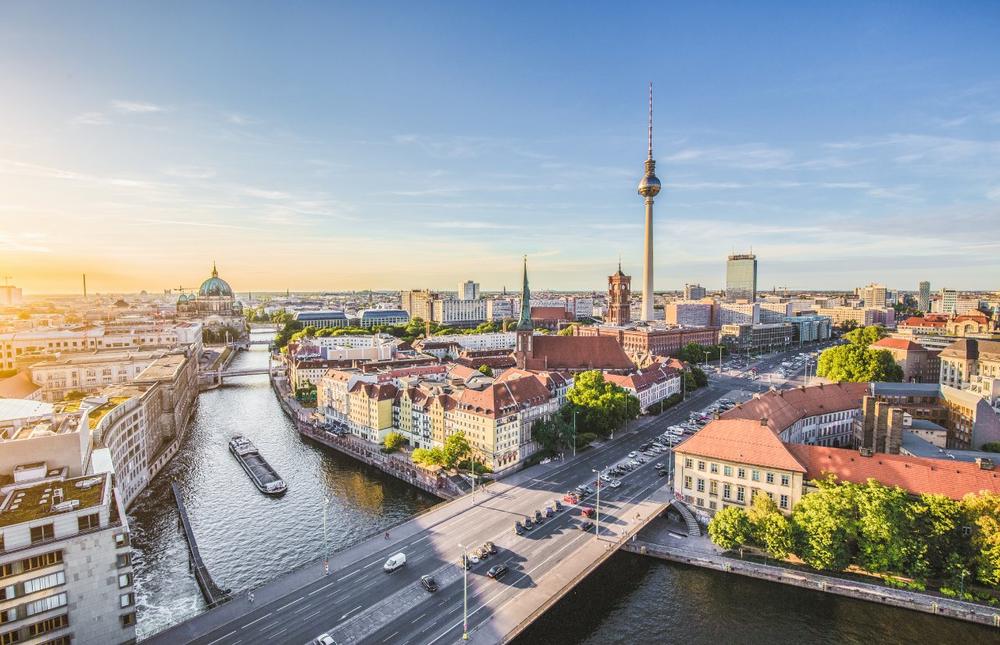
215 286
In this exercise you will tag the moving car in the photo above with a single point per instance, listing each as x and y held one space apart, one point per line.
662 473
394 562
497 571
658 466
429 583
323 639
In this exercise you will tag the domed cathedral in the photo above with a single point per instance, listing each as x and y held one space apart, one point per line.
214 298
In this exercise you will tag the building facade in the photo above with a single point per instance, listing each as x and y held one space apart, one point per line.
619 298
741 277
694 292
924 296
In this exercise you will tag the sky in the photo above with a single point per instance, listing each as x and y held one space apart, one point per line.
332 146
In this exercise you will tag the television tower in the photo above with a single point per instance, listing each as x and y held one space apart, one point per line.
649 187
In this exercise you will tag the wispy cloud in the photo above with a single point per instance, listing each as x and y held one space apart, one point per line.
136 107
190 172
747 156
240 119
470 225
90 118
22 242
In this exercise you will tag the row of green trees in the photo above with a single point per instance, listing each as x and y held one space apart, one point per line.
695 353
878 528
220 335
456 448
416 328
599 407
856 362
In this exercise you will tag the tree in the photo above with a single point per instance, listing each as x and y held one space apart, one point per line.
982 512
700 378
428 457
486 370
865 336
990 446
730 528
568 330
600 406
938 520
771 530
456 448
552 433
689 382
858 364
394 441
886 541
824 526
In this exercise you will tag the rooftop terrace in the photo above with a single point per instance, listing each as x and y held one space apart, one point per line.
36 502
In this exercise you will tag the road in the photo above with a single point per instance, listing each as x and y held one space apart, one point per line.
360 602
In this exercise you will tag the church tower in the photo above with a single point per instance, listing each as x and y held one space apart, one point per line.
619 298
525 330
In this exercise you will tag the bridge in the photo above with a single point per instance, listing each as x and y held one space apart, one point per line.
352 599
216 377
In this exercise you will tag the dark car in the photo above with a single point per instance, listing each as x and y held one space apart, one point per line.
662 473
490 548
468 562
497 571
538 517
558 505
429 583
527 523
586 526
519 528
549 512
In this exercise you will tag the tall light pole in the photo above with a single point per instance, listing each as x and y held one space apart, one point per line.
465 593
326 548
597 518
574 432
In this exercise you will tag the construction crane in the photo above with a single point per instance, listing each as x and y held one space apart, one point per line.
6 279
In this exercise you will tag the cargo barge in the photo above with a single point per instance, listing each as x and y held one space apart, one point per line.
261 473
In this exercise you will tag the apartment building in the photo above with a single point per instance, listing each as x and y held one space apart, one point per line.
90 372
459 313
65 562
973 365
650 385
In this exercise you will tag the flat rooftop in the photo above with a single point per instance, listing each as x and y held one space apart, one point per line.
100 356
164 368
34 502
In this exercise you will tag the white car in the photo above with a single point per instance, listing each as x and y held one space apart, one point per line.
615 483
473 558
545 461
323 639
632 454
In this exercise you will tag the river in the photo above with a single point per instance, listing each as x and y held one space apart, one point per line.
247 538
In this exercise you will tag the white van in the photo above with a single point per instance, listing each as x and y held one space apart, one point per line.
394 562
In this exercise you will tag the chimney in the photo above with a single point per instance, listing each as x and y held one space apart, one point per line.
763 421
984 463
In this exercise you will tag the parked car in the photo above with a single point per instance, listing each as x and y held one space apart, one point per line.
473 557
615 483
586 511
538 517
323 639
429 583
549 512
468 564
518 528
570 498
586 526
632 454
559 506
528 525
497 571
490 548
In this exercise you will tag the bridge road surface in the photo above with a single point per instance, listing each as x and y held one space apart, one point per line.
358 602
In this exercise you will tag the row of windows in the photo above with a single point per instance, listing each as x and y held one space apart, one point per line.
727 493
741 473
34 585
38 629
30 564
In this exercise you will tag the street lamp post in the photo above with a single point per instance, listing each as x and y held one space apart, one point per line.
597 518
465 593
326 549
574 432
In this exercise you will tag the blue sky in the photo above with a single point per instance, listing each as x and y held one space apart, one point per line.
404 145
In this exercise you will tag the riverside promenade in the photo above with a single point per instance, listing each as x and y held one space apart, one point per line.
667 540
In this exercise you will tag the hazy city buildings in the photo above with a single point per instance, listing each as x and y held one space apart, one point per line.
924 297
741 277
468 290
874 296
694 292
10 296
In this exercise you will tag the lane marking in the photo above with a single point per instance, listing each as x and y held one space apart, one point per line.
371 564
300 598
257 621
350 612
315 591
418 617
390 637
315 613
223 637
349 575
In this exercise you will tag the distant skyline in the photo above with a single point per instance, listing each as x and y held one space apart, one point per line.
394 146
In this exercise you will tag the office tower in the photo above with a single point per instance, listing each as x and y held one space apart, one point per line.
694 292
468 290
874 295
924 297
741 277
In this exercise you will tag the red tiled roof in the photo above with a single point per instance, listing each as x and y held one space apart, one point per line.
917 321
503 398
918 475
578 353
741 441
377 391
898 343
644 379
782 408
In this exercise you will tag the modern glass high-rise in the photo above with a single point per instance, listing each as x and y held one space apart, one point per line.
741 277
924 297
468 290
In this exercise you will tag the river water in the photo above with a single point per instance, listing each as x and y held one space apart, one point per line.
247 538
